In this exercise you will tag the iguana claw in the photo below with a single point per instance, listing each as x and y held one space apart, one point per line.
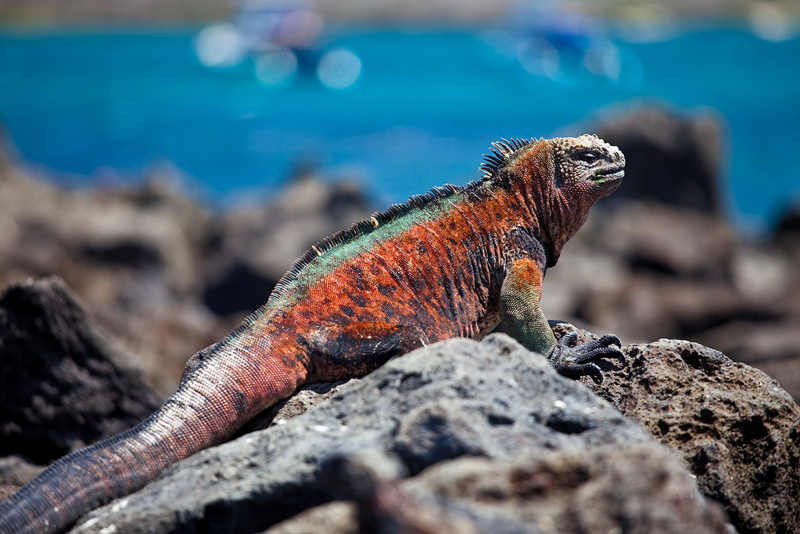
574 360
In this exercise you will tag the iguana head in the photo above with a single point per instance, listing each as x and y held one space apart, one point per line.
561 180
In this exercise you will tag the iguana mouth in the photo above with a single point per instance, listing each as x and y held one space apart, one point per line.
610 174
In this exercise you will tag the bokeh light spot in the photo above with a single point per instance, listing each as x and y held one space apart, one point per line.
276 67
339 68
219 45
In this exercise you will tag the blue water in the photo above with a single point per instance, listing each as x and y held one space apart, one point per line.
427 105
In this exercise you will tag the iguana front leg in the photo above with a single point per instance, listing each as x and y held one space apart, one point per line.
522 318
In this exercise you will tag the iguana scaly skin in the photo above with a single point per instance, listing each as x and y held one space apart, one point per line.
454 262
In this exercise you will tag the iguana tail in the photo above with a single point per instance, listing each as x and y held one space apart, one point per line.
220 391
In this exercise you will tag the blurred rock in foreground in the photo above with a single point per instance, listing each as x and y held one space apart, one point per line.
485 437
465 436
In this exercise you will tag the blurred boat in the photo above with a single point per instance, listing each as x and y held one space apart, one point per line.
566 46
283 39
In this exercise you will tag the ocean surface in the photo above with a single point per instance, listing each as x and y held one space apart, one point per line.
409 110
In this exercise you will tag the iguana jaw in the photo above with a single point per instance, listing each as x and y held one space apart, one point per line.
610 175
610 171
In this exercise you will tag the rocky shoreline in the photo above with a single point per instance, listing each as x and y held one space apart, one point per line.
147 271
460 436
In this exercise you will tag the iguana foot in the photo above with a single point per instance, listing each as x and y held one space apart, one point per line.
574 360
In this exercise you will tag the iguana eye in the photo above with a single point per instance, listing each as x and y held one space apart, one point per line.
587 157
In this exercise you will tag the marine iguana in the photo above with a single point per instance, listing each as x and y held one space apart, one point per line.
456 261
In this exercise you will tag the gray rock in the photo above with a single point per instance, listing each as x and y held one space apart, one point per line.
737 430
491 399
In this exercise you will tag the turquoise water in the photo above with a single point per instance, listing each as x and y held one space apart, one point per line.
427 104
